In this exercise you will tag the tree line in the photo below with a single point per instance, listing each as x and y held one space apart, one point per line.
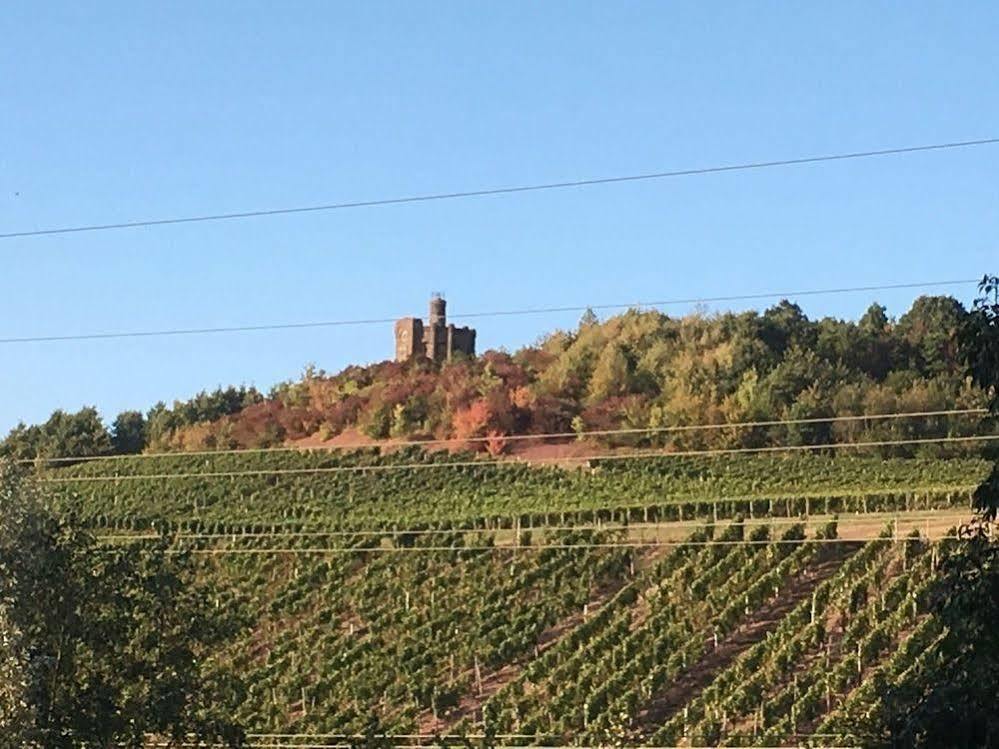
637 370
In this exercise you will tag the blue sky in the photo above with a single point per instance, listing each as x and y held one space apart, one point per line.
121 111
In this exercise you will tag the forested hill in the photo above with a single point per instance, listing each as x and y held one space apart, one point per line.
636 370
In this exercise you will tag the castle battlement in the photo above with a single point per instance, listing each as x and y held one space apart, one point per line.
437 340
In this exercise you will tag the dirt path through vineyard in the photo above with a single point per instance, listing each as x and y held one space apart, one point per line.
471 703
754 629
932 524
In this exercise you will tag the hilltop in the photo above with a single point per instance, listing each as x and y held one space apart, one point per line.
400 597
637 370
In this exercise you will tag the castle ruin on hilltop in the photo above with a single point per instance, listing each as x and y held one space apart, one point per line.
437 340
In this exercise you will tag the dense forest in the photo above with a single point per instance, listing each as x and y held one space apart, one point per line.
637 370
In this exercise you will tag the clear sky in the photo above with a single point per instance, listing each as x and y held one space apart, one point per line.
125 110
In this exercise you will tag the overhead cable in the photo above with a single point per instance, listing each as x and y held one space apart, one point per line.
394 444
218 330
482 192
382 467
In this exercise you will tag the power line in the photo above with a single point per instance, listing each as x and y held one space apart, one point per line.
517 462
504 190
516 437
217 330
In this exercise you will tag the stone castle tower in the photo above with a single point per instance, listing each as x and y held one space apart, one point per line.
437 340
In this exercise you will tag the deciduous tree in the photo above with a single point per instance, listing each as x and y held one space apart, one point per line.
100 645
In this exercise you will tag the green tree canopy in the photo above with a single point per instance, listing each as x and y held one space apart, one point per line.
875 320
931 328
63 435
101 646
128 433
951 701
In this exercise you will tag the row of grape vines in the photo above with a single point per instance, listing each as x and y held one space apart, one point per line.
492 496
765 638
573 645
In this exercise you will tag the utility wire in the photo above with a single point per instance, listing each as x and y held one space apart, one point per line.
474 315
516 462
513 437
504 190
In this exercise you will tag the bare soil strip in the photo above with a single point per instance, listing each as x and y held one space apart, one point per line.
471 703
753 630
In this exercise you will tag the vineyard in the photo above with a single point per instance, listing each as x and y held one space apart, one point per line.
415 489
663 602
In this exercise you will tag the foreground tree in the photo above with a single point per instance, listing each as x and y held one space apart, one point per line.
952 702
100 646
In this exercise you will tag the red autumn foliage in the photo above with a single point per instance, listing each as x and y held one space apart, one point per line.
496 443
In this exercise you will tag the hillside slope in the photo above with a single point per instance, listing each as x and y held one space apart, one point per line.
638 370
550 606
